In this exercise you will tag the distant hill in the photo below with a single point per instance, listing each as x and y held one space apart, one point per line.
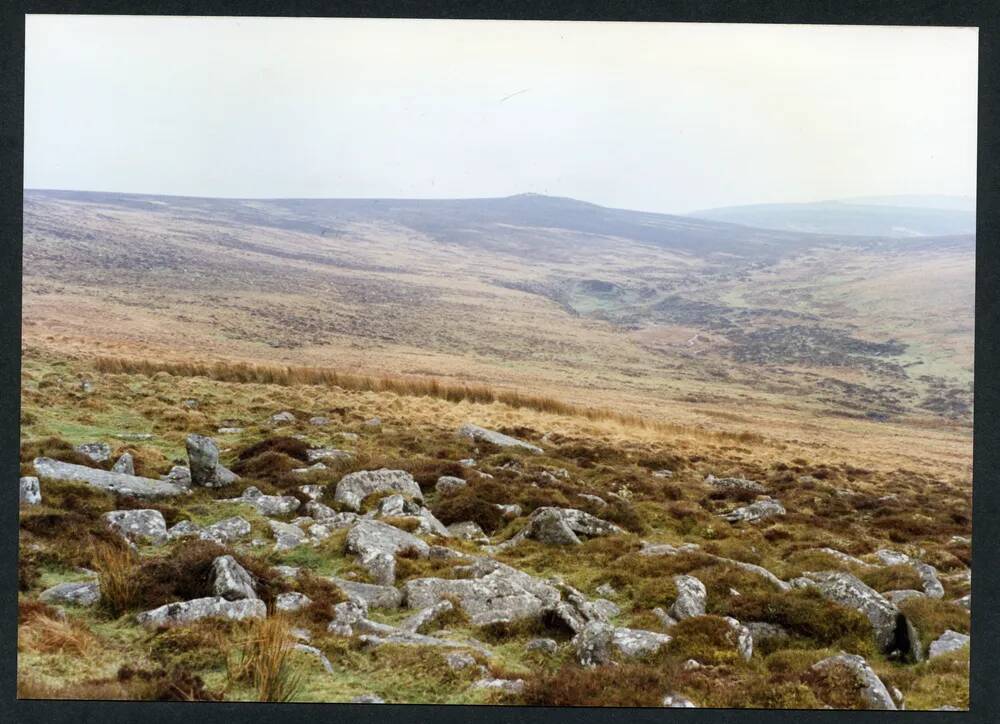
894 216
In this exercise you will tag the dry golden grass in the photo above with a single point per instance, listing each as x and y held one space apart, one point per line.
117 570
263 659
47 635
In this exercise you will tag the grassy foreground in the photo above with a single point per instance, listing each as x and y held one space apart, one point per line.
853 505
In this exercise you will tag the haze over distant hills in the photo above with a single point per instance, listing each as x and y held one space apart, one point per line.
895 216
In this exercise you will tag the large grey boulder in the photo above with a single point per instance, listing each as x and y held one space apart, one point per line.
127 485
481 434
735 484
563 526
124 464
491 593
230 580
203 461
377 544
78 594
99 452
690 601
598 641
211 607
893 632
29 491
946 643
138 525
872 691
355 487
755 512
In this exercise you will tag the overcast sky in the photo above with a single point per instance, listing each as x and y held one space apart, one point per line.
659 117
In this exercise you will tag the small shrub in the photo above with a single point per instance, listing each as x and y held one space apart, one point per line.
464 505
892 578
263 660
162 685
117 570
55 635
628 684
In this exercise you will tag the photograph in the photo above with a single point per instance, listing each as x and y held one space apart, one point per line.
523 363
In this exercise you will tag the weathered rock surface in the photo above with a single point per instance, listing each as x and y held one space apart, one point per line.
493 592
449 484
563 526
319 421
377 544
676 701
481 434
905 594
203 462
282 418
327 453
872 691
178 475
138 525
99 452
230 580
78 594
313 651
286 535
598 641
268 505
737 484
291 601
124 464
29 491
690 599
744 637
893 632
546 646
371 595
128 485
188 611
946 643
467 530
427 616
756 512
227 530
354 488
928 573
508 686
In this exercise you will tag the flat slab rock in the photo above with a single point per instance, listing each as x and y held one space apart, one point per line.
481 434
755 512
948 641
597 643
184 612
355 487
78 594
370 594
129 485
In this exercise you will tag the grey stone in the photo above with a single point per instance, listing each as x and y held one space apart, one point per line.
203 462
872 691
138 525
178 475
372 595
327 453
744 638
467 530
319 421
313 492
282 418
447 484
427 616
313 651
268 505
676 701
595 499
509 511
965 601
739 484
229 430
368 699
690 599
286 535
128 485
230 580
563 526
946 643
99 452
78 594
184 529
632 642
481 434
354 488
765 632
377 544
508 686
124 464
546 646
891 628
227 530
373 422
845 558
905 594
593 645
291 601
459 660
29 491
491 593
188 611
756 512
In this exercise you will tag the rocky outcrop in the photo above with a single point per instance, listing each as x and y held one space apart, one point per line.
481 434
128 485
562 526
185 612
447 484
231 581
426 616
124 464
598 642
690 599
377 544
893 632
99 452
755 512
138 526
371 595
735 484
354 488
203 462
396 506
492 592
873 693
77 594
946 643
29 491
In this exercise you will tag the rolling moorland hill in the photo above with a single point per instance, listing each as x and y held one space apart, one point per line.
733 466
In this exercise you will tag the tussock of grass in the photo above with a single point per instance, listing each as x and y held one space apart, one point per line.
263 658
117 571
46 635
